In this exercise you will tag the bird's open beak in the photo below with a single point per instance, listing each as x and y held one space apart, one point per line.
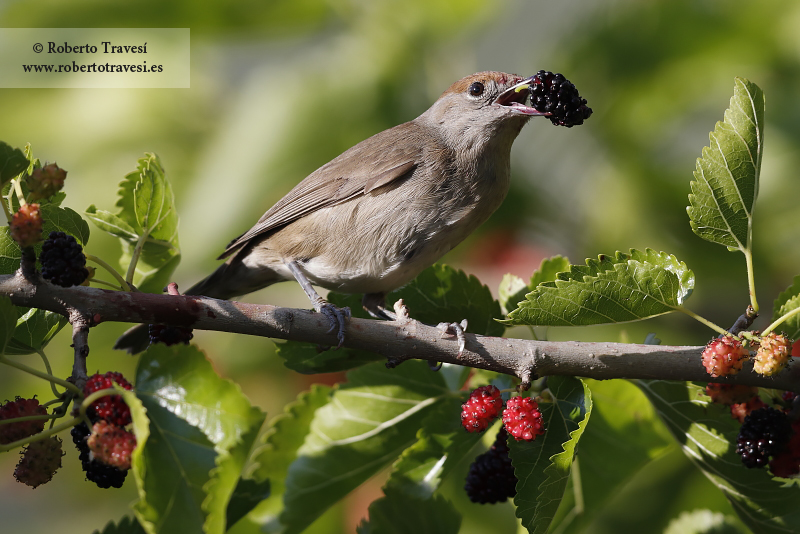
514 98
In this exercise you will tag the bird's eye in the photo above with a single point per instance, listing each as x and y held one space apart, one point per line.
476 89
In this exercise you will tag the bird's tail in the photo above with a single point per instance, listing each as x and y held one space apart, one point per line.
229 280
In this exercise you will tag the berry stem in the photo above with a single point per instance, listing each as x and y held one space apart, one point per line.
41 435
18 191
7 212
27 418
88 401
113 272
49 369
780 320
712 326
748 256
137 251
35 372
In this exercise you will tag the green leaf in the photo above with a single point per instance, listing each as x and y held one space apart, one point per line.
625 436
8 322
441 294
441 444
12 162
726 179
702 522
543 466
399 513
611 289
194 416
126 525
513 289
280 444
787 301
368 422
548 270
226 477
707 435
147 218
310 359
246 496
113 224
35 328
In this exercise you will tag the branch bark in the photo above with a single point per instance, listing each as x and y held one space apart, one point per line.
396 340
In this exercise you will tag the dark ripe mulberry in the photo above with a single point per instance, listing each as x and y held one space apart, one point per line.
491 476
170 335
764 433
62 259
105 476
554 94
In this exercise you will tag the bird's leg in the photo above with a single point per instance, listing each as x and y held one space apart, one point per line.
375 305
337 316
455 329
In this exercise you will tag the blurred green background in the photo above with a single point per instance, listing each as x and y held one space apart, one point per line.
279 87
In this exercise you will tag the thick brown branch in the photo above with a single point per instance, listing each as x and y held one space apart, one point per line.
397 341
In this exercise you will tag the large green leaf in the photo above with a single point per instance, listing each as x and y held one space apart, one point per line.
543 466
624 436
441 444
368 422
194 416
12 162
279 446
400 513
725 182
787 301
611 289
708 434
310 359
126 525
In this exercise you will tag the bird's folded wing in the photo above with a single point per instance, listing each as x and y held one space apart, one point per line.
358 171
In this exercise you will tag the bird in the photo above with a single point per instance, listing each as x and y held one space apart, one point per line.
370 220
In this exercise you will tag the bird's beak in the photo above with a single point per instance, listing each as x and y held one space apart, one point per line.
514 99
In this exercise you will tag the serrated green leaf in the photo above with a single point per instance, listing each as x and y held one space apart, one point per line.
441 444
368 422
12 162
787 301
611 289
246 496
194 416
8 322
707 435
226 477
146 217
726 178
126 525
543 466
280 444
141 455
399 513
35 328
625 435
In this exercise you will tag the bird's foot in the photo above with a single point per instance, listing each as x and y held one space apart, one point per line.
338 318
455 329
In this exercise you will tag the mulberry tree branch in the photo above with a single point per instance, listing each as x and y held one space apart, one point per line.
396 340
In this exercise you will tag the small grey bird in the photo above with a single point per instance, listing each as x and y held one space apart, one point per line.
373 218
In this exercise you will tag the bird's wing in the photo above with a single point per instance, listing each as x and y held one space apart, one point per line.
373 163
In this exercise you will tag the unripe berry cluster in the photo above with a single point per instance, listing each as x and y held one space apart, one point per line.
725 355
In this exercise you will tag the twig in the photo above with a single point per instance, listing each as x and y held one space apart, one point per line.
396 340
